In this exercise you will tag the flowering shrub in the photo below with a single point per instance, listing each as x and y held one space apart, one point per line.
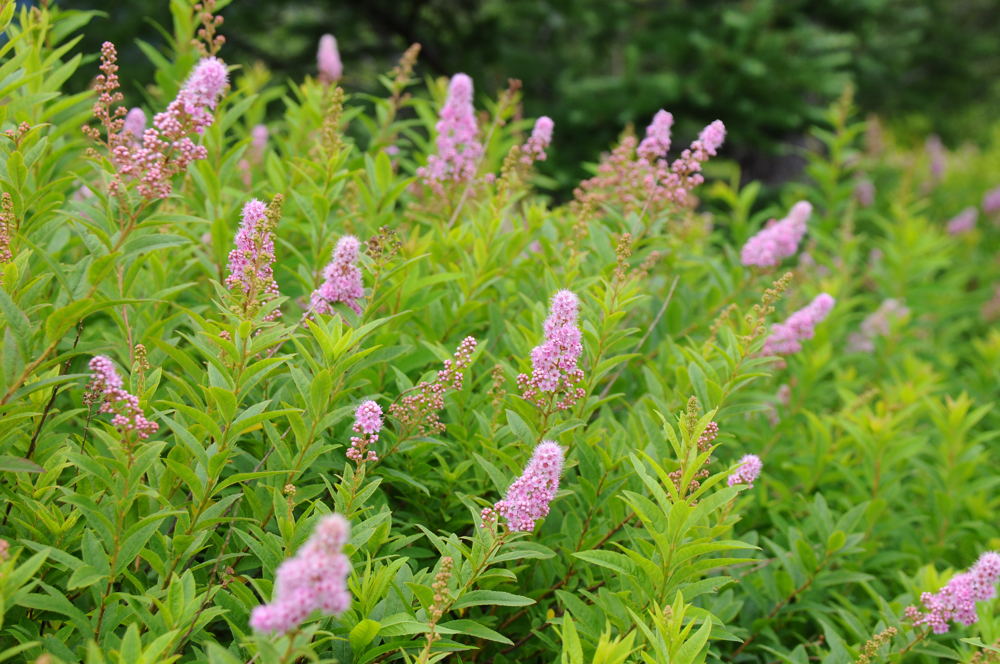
630 428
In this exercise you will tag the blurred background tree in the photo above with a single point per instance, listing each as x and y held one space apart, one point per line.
763 66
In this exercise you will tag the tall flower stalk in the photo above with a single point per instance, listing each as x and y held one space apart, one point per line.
251 262
555 373
458 146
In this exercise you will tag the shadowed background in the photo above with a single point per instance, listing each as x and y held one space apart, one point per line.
764 67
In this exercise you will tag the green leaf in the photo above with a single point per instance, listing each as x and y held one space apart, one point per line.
225 400
975 641
145 243
835 541
521 429
84 577
64 318
363 634
472 628
491 598
572 649
614 561
319 393
16 170
499 480
9 464
101 267
806 555
692 647
17 321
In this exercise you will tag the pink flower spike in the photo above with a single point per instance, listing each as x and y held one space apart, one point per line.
864 193
342 280
563 309
956 602
251 249
541 138
315 578
258 143
205 85
786 337
749 470
328 60
419 410
528 498
712 137
135 125
657 142
107 386
458 146
555 371
167 147
991 200
963 222
778 240
367 424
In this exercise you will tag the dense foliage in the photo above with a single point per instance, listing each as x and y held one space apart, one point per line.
341 388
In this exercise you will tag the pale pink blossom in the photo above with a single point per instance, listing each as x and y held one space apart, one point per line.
342 280
779 239
458 146
315 578
135 125
657 142
328 60
956 602
963 222
786 338
106 384
167 147
253 257
541 138
936 152
876 324
864 193
258 142
367 424
528 498
749 470
991 200
555 373
639 178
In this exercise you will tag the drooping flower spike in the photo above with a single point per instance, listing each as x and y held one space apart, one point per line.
315 578
638 175
419 410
